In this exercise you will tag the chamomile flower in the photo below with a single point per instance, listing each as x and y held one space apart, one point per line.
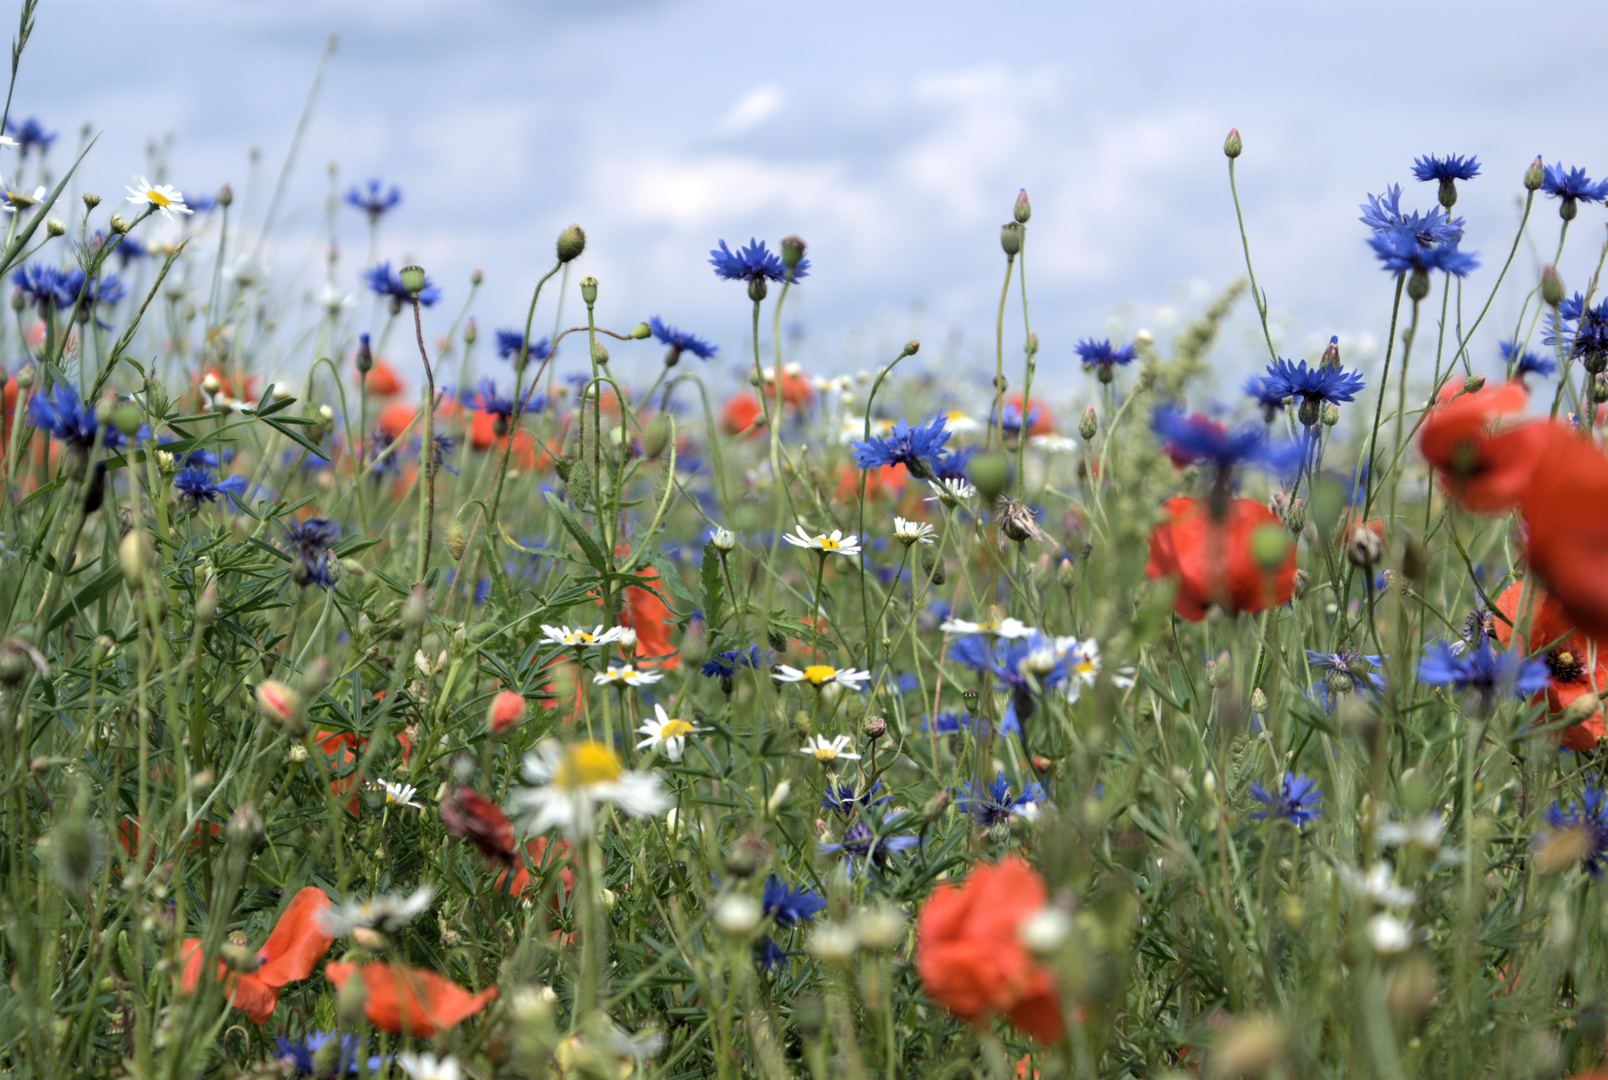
389 912
950 492
665 734
398 794
1005 628
625 675
566 784
429 1067
819 675
563 635
161 197
19 199
835 544
1052 444
826 751
960 423
912 532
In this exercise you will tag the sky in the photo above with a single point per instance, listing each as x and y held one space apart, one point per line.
892 136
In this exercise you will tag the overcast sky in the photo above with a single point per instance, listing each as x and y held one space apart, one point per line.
892 136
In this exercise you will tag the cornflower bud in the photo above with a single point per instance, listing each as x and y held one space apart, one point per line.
1330 415
365 358
1473 384
1233 146
1023 209
873 727
571 242
1010 239
1599 387
412 279
25 377
1088 423
792 251
1534 175
476 276
589 290
225 195
1551 286
470 332
1258 702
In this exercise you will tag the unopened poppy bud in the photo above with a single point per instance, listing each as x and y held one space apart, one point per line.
349 1008
280 706
457 540
1220 672
757 289
1551 286
412 279
934 807
1010 239
642 331
792 251
90 200
600 353
134 556
1581 709
245 830
873 727
127 417
1041 764
1269 546
1258 702
1330 416
416 609
1023 209
55 227
1088 423
571 242
1295 517
1599 387
1233 146
1418 285
990 473
470 332
1534 175
589 290
1364 547
1473 384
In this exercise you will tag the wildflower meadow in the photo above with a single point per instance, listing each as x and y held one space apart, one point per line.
388 688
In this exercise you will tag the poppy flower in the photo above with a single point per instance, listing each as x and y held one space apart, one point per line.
1039 420
1481 467
468 815
740 413
382 381
543 854
796 389
1569 656
483 436
968 955
646 614
1566 526
342 748
879 481
507 708
395 418
1213 562
289 954
398 998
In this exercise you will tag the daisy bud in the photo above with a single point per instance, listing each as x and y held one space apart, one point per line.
90 201
724 540
1364 547
1551 286
470 332
1418 285
589 290
54 227
1534 175
210 383
1233 146
1269 546
457 540
25 377
571 242
412 279
416 610
280 706
880 928
834 944
737 915
792 251
118 224
134 556
1023 209
1010 239
1088 423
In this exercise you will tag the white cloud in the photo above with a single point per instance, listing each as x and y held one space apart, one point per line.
751 110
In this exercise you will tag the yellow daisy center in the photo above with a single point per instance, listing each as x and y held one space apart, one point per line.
819 673
156 198
827 543
672 729
587 763
826 752
1086 668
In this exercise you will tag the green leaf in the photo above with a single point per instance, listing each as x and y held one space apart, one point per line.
589 546
713 587
97 587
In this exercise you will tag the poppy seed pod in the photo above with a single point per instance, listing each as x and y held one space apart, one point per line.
571 242
589 290
642 331
1233 145
1010 239
412 279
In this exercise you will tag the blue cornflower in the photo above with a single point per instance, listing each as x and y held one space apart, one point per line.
509 343
1588 336
71 421
1011 422
844 800
1451 167
1482 670
196 485
487 400
723 665
916 448
1298 800
1402 251
311 541
862 843
443 446
752 263
1382 213
994 804
679 341
1572 186
129 250
1591 821
374 200
1316 387
1528 363
1268 394
1195 437
1102 355
29 134
300 1055
1344 672
947 723
383 281
786 907
1019 666
47 286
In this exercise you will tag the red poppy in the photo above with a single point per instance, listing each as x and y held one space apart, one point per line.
796 389
968 955
646 614
542 856
398 998
740 413
1040 420
342 748
289 954
880 481
483 436
395 418
1213 562
1577 666
1563 503
468 815
382 381
1482 468
507 709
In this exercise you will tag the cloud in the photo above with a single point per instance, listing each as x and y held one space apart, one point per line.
751 110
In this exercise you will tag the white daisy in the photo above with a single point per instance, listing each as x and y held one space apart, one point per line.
8 141
664 734
429 1067
959 423
1052 444
950 492
163 197
912 532
333 301
853 428
389 913
1377 884
1005 628
625 675
398 794
818 675
21 200
563 635
567 783
1424 831
1389 935
837 543
826 750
